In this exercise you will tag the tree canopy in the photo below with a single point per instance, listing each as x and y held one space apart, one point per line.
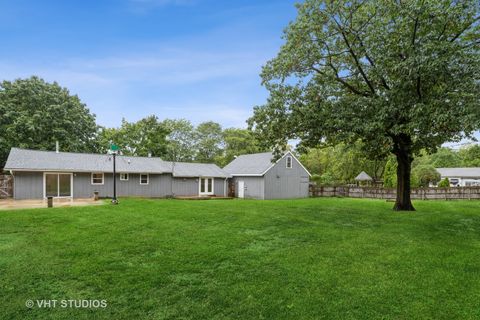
400 76
141 138
35 114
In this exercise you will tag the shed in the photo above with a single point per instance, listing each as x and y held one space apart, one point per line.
259 176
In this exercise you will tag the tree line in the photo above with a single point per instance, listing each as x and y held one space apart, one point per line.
35 114
340 164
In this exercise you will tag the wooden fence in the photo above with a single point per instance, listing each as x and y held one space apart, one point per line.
452 193
6 186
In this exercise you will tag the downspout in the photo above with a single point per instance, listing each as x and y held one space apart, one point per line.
225 187
13 190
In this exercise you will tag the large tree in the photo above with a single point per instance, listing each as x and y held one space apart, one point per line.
237 142
181 140
209 141
35 114
400 76
142 138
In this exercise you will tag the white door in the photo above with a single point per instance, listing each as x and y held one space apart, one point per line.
205 186
241 189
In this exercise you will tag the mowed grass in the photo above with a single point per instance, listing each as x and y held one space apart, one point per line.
300 259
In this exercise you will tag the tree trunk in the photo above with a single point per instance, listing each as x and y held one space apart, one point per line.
404 166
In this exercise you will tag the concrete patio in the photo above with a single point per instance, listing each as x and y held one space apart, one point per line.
10 204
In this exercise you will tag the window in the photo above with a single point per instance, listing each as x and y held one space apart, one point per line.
144 178
97 178
123 176
289 162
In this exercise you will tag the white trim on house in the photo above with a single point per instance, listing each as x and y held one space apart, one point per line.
148 179
125 176
58 183
291 162
300 163
96 183
206 192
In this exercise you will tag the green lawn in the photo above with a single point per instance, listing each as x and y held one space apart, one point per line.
217 259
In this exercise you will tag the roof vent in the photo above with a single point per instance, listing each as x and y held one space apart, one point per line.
149 154
57 147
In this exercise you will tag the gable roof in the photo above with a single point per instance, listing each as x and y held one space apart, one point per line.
256 164
250 164
459 172
187 169
35 160
363 176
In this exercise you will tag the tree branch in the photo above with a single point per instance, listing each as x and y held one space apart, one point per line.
342 81
354 56
467 26
415 28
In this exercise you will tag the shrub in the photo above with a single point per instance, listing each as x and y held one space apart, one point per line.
424 175
445 183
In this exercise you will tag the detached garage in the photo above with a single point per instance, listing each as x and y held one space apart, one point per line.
256 176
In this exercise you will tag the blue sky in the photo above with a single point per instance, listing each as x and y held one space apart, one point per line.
193 59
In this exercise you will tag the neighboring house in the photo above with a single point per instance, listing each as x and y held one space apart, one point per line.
38 174
256 176
461 177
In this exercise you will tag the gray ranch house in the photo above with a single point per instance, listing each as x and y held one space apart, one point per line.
256 176
42 174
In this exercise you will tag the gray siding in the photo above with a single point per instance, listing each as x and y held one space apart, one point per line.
189 186
185 186
219 187
28 185
254 187
283 183
159 185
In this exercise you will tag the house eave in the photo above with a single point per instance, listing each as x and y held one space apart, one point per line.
82 171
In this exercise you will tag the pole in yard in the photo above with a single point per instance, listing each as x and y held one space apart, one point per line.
114 150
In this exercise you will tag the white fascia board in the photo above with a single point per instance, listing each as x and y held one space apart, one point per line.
86 171
286 153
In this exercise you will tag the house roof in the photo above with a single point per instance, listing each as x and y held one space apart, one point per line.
256 164
187 169
363 176
35 160
459 172
250 164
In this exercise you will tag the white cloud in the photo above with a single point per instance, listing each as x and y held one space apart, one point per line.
173 82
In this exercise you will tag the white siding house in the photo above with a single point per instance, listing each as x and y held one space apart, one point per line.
461 177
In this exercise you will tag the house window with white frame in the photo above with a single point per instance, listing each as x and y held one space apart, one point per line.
289 162
97 178
144 178
123 176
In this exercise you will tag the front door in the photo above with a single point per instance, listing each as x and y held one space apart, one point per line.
58 185
241 189
206 186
